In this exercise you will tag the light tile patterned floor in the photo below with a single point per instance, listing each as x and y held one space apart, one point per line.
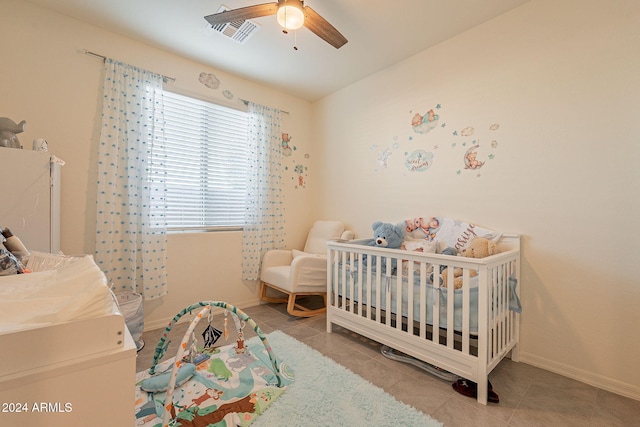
528 396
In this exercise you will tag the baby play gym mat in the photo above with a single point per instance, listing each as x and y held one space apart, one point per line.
211 385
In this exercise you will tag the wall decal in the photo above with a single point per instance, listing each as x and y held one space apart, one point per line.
424 123
470 157
468 131
286 150
384 154
209 80
383 157
301 172
418 161
470 160
465 149
298 170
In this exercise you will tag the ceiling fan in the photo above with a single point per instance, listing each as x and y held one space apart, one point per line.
291 15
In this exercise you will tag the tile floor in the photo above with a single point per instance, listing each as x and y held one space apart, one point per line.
528 396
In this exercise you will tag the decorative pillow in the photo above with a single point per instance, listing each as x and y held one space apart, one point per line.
450 232
160 383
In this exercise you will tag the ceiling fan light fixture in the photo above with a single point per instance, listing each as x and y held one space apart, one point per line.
290 15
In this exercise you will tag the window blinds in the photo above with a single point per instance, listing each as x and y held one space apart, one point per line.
204 159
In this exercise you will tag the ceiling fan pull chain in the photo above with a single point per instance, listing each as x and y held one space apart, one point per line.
295 39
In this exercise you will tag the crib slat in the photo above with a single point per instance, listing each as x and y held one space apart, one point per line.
359 284
343 282
378 287
336 280
466 291
450 308
513 330
435 314
504 292
494 315
399 293
410 292
387 291
369 302
423 300
352 278
484 327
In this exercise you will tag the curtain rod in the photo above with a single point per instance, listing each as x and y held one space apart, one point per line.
173 79
245 102
104 58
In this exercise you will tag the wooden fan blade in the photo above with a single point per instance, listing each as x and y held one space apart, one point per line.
322 28
243 13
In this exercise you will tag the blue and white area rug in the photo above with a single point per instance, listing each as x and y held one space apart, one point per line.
325 393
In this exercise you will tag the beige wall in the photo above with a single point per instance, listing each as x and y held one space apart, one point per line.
562 81
46 80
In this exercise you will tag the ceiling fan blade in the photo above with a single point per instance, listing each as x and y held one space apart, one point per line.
243 13
322 28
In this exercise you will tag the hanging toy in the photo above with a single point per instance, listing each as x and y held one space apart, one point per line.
193 350
240 348
226 326
210 334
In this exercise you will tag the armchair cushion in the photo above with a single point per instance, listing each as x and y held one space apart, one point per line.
296 253
305 274
309 274
320 233
276 257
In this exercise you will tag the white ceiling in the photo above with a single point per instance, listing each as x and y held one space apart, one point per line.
380 33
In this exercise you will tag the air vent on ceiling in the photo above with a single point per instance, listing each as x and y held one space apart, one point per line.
239 31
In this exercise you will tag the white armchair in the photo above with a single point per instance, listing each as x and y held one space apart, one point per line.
301 273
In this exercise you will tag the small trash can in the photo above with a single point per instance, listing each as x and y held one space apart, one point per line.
130 304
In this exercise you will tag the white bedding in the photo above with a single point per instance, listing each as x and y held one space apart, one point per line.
74 291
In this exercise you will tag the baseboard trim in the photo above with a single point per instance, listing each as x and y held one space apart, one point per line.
614 386
162 323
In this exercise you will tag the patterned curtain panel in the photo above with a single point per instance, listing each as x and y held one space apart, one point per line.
264 220
130 231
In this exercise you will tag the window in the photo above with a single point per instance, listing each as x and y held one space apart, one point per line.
204 163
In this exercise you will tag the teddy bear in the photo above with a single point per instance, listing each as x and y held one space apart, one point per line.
479 247
386 235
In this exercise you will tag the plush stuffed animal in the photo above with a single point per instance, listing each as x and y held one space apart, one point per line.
479 247
388 236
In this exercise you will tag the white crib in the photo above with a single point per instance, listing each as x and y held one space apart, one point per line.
401 307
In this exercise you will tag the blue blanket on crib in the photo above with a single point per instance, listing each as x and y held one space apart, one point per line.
432 295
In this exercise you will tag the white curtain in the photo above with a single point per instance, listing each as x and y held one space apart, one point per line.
264 219
130 231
